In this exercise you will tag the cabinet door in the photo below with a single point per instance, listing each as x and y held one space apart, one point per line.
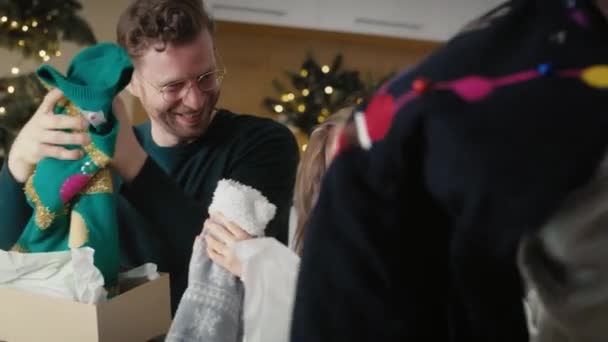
379 17
415 19
443 19
295 13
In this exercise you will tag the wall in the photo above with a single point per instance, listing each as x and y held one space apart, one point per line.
255 55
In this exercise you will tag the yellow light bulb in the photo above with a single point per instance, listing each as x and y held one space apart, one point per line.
291 96
14 70
14 24
329 90
304 73
304 147
46 58
34 23
285 98
325 69
21 42
42 53
301 108
25 28
320 119
278 108
305 92
325 111
2 110
4 19
10 89
58 53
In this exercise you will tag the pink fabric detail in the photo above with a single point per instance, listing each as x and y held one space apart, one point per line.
472 88
341 144
579 17
379 115
72 186
517 78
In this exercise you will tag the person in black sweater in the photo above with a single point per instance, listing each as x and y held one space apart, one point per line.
415 233
169 167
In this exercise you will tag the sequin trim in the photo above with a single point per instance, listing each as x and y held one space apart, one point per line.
44 217
100 183
71 110
99 158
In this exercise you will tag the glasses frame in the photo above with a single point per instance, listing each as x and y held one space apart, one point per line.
221 73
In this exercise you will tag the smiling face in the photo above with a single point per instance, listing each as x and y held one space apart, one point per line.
184 118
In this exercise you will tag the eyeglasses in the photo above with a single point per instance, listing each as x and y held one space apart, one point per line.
177 90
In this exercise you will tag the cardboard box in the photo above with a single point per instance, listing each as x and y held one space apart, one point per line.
139 314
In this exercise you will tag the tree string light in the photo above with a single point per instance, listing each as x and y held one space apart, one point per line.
318 90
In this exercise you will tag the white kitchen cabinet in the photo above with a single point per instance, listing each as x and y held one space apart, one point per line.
292 13
395 18
415 19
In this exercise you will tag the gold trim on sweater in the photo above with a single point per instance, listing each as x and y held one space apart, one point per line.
44 217
101 183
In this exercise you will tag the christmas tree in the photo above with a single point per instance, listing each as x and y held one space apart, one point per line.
33 29
318 91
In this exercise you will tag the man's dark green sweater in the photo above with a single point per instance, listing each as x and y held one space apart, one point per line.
164 207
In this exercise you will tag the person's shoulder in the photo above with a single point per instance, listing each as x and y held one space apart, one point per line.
250 121
142 130
252 127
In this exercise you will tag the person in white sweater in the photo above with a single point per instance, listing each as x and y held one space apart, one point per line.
267 268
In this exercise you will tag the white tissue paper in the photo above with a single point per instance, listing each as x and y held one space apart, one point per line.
137 276
69 275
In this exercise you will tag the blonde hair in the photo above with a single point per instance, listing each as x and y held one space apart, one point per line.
312 168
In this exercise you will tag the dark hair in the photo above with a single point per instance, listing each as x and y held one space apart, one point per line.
161 22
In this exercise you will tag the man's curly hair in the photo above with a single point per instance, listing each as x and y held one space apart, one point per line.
158 23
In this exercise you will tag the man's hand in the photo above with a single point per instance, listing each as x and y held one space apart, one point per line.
129 156
42 137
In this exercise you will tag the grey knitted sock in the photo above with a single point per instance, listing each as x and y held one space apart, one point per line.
210 309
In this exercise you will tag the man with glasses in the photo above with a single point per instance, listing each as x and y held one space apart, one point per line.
169 166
